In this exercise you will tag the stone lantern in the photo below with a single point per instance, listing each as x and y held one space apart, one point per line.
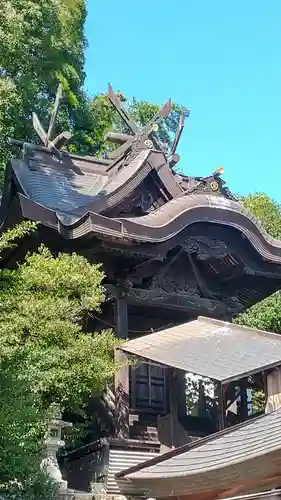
53 443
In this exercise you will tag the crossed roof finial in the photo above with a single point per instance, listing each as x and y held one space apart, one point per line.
46 137
126 140
146 130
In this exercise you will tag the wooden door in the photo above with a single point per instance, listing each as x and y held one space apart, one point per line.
148 388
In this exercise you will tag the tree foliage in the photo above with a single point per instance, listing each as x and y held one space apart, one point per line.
22 430
42 44
44 307
266 210
47 354
266 315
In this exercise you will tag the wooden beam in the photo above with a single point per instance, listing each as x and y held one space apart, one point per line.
186 302
200 280
122 396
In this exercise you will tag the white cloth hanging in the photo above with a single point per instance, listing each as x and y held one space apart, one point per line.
273 390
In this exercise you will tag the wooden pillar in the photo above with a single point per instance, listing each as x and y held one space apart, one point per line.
173 390
122 396
122 402
265 387
121 318
181 394
243 400
172 377
221 406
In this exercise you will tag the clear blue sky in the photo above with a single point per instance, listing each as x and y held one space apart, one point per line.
220 58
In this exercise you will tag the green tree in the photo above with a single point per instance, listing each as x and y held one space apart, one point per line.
42 44
47 354
266 210
266 315
44 308
22 430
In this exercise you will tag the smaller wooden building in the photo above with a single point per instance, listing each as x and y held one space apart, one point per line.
236 359
240 459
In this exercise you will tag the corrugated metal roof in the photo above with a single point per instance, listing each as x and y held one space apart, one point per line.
250 451
211 348
120 459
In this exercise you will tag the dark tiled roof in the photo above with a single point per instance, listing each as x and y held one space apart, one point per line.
73 188
75 191
212 348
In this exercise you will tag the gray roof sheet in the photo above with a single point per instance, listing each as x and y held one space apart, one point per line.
258 437
251 449
72 189
211 348
58 187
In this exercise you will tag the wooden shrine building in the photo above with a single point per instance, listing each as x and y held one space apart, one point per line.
173 248
231 356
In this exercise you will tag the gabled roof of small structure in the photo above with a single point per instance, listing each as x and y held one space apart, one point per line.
236 457
216 349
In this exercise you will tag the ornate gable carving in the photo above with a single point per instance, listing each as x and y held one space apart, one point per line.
212 184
